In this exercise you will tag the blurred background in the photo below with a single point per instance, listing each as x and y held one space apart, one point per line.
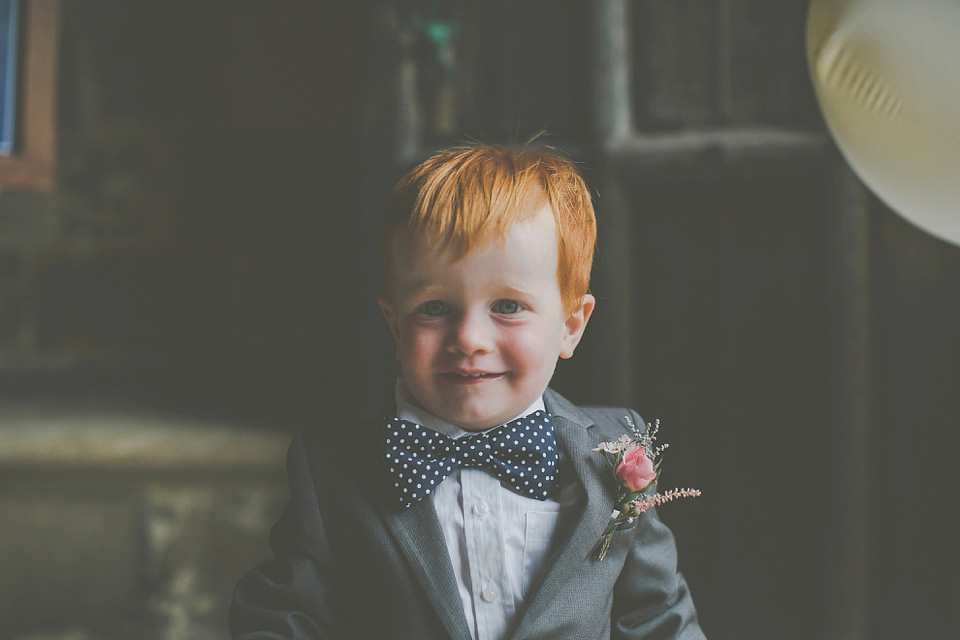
188 276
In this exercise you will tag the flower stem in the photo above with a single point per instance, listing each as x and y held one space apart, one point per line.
605 543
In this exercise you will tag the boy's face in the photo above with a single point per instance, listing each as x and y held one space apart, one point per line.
478 338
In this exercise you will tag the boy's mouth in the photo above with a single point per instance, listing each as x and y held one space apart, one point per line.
463 377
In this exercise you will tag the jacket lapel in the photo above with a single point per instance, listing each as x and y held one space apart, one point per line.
577 441
418 536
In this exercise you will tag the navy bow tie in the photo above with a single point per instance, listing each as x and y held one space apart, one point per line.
522 453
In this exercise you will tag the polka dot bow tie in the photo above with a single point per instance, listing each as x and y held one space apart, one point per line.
521 453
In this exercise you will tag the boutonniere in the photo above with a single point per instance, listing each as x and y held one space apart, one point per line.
635 462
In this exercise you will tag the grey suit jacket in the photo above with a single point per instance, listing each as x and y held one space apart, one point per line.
350 563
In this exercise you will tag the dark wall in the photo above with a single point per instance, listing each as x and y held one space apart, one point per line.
204 235
209 248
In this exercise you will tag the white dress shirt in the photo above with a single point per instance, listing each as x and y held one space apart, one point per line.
497 539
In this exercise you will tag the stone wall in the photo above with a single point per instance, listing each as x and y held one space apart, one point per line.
121 522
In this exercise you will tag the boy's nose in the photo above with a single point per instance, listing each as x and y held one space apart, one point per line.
472 334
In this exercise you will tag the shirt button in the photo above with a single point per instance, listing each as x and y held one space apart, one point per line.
481 509
490 593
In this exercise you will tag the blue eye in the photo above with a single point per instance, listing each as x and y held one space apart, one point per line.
506 307
433 308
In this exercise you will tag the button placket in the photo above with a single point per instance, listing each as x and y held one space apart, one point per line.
481 509
485 551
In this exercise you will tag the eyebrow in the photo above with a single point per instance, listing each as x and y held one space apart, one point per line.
520 292
418 289
425 287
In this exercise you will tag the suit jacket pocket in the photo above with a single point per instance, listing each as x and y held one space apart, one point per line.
540 531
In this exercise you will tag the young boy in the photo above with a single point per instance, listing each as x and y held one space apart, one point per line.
474 510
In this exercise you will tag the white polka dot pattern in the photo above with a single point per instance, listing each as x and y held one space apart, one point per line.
521 453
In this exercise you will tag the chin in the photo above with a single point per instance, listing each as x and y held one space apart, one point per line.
484 419
473 422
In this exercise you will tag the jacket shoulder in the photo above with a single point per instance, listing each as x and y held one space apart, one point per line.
613 421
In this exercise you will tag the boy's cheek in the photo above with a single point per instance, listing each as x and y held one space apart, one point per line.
527 349
416 344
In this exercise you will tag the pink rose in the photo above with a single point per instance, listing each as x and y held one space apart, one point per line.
635 471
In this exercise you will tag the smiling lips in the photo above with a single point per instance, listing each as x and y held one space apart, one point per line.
468 378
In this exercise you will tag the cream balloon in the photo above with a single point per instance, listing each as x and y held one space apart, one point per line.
887 75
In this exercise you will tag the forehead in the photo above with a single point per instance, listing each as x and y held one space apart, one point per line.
528 248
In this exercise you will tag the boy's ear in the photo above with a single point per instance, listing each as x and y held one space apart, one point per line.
390 315
575 324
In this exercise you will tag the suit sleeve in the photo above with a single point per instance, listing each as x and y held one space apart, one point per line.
291 595
651 599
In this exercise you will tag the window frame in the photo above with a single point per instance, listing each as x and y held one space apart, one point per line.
31 164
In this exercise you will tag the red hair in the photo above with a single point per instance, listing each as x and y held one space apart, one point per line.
462 199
